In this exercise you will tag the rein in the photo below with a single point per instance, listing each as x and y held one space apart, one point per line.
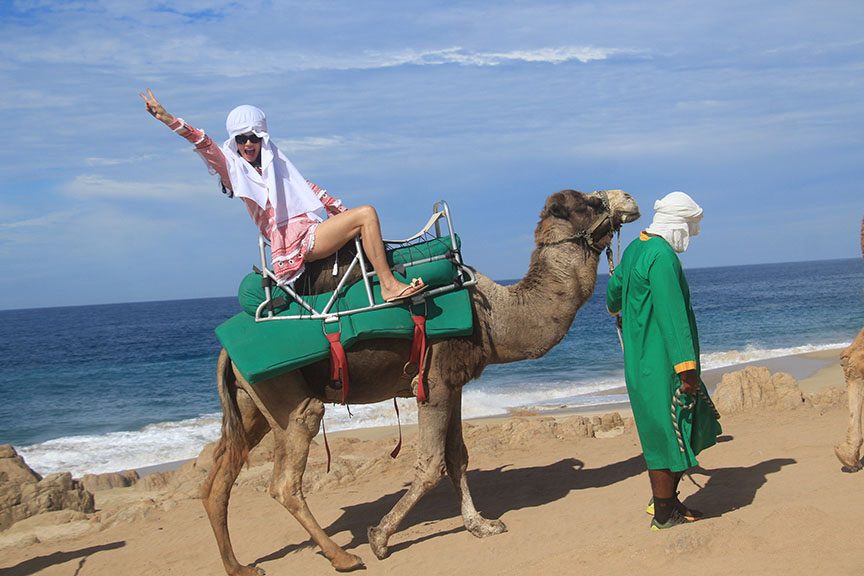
618 322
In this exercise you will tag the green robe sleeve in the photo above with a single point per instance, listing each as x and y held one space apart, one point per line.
671 311
613 294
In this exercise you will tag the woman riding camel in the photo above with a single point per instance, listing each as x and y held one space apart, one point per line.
302 222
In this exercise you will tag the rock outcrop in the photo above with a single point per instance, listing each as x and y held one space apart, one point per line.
24 493
98 482
756 388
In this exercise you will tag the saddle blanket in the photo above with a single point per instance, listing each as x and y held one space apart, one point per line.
263 350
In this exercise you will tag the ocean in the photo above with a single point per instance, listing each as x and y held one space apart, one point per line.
93 389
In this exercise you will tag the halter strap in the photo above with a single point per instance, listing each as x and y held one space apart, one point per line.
593 233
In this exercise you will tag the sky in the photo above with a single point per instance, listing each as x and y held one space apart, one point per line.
755 109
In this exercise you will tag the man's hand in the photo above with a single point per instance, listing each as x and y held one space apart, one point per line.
689 381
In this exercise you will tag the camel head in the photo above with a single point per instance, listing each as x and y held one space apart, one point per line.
589 219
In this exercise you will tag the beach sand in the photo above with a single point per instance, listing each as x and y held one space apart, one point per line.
773 492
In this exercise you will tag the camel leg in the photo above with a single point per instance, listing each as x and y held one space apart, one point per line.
230 455
456 457
432 420
291 454
852 360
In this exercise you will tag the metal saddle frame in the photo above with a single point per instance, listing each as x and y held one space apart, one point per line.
431 231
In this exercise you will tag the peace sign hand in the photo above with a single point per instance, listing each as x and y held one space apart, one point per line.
155 108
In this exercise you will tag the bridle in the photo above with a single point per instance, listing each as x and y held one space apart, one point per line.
600 229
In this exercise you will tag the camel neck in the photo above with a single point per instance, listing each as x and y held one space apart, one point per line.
543 304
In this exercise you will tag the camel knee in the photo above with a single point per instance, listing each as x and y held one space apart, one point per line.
854 376
290 495
228 459
308 416
852 359
428 474
292 502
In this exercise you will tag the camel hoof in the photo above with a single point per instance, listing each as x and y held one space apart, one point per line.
498 527
377 542
483 528
347 564
249 571
848 457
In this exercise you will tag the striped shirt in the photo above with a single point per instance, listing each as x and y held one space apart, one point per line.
290 241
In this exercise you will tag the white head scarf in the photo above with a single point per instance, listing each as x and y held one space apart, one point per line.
279 182
676 218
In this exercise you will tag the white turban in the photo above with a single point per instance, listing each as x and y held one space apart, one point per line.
676 218
279 182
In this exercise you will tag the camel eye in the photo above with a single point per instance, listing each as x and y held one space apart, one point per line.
559 211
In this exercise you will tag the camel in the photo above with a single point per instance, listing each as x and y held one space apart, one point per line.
852 361
511 323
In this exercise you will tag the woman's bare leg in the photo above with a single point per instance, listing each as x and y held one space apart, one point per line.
338 230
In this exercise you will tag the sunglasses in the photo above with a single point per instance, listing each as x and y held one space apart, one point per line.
243 138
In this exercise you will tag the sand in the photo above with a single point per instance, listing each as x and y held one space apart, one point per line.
775 498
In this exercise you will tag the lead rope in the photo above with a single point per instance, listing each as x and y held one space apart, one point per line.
708 401
611 272
677 401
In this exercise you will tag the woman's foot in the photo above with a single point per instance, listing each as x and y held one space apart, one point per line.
403 291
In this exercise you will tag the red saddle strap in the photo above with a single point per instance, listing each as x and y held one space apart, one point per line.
418 351
396 450
338 363
326 445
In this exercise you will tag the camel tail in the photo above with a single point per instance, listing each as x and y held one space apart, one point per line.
232 444
233 434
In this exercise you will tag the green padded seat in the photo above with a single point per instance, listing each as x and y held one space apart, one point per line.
262 350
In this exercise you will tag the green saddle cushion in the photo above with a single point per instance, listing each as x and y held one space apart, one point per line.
437 273
262 350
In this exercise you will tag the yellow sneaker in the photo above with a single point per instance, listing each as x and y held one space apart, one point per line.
675 519
688 514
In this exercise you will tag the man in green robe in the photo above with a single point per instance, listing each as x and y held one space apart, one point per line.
661 354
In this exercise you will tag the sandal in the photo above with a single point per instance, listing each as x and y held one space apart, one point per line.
415 287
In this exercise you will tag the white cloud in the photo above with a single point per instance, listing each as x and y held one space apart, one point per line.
184 37
463 57
312 143
47 220
560 55
91 186
198 54
24 239
342 148
103 162
30 99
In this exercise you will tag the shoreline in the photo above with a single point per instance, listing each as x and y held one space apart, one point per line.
814 371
